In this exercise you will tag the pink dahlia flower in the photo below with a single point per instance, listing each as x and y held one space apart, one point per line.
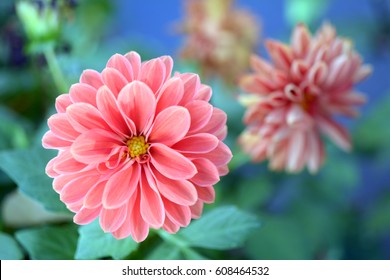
137 148
294 99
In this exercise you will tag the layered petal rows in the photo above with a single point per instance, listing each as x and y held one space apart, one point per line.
292 100
137 148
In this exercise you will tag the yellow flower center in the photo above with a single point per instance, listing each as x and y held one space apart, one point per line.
137 146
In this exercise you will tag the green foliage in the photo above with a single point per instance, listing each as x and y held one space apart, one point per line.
94 244
13 130
50 242
41 25
372 135
166 251
27 169
377 220
279 238
222 228
306 11
10 249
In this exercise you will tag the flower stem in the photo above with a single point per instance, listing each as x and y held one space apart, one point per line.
55 70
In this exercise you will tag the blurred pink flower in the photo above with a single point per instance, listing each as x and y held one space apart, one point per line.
137 147
219 37
293 100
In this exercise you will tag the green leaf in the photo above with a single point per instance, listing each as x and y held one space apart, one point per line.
280 238
27 169
166 251
49 243
377 219
222 228
372 134
13 130
95 244
10 250
306 11
191 254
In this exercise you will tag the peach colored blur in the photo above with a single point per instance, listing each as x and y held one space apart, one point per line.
292 100
220 38
137 148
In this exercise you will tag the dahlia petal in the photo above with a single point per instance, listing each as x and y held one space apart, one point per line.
170 226
276 116
361 73
338 71
111 219
86 215
152 207
191 85
180 215
180 192
293 92
278 159
60 181
150 177
94 146
296 152
351 98
198 143
65 163
316 152
207 173
121 186
138 227
335 132
138 103
223 170
217 122
170 126
62 102
298 70
52 141
61 127
196 209
300 40
120 63
83 93
76 189
168 62
201 112
108 107
170 94
206 194
260 65
135 61
94 196
220 156
171 163
204 93
114 80
153 73
50 168
221 134
318 73
75 207
297 117
280 54
92 78
125 229
84 117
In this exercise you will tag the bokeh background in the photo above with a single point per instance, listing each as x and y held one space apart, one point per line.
343 212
